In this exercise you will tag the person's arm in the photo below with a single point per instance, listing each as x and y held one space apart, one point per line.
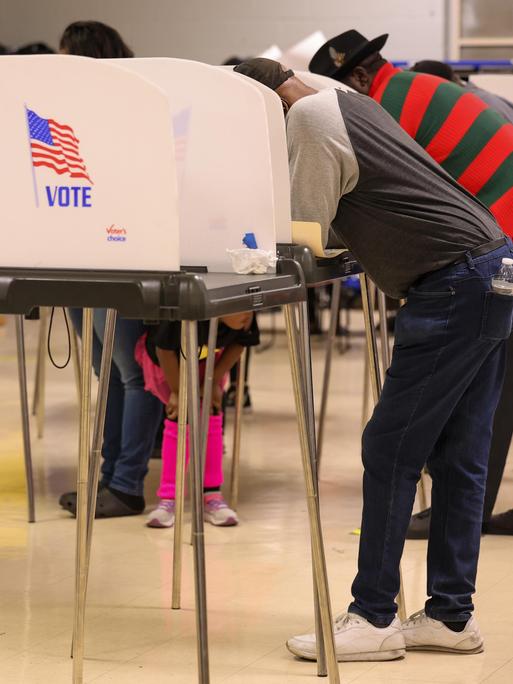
168 361
229 358
231 354
323 166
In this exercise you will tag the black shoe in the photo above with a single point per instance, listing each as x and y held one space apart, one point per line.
229 402
502 523
68 501
419 525
111 504
108 505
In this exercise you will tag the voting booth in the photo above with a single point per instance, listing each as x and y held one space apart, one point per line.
232 170
91 176
81 202
79 168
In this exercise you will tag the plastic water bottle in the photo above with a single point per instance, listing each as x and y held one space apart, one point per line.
502 282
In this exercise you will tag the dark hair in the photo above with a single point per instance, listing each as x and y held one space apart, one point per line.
35 49
430 66
234 60
372 64
93 39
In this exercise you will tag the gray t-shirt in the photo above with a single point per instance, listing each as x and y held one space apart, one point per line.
500 104
357 173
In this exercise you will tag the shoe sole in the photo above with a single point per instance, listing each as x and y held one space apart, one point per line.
373 656
116 514
446 649
157 523
231 522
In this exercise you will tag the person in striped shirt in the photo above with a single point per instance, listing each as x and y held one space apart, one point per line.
500 523
435 68
470 140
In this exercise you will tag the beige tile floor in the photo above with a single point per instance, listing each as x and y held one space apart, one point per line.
259 579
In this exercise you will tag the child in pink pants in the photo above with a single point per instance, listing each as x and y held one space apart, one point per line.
158 354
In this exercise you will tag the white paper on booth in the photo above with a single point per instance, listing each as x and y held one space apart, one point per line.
309 234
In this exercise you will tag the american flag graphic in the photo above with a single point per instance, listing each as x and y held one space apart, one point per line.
55 145
181 123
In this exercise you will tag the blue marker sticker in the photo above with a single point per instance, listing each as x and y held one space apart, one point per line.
249 240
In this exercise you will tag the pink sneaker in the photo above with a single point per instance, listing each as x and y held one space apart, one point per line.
163 515
217 512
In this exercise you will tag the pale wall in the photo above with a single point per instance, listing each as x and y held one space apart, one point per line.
212 30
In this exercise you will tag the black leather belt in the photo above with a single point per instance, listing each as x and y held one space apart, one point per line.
482 250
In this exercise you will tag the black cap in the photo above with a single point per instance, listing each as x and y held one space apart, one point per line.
266 71
340 55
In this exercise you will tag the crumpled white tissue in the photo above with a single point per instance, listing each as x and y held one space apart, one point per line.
257 261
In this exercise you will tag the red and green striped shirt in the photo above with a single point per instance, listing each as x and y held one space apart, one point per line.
472 142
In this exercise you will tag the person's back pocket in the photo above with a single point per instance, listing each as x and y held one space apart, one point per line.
497 317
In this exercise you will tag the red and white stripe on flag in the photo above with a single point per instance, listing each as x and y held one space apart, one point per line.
64 155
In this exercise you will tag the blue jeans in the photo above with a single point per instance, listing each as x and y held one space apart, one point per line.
437 407
133 415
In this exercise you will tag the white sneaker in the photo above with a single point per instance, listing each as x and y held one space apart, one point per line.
163 515
217 512
422 633
355 639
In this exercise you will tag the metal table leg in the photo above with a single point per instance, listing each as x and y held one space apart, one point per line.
38 408
237 425
332 334
207 388
306 361
366 392
370 334
25 424
197 502
308 457
383 330
75 355
422 490
180 478
375 381
82 482
99 425
205 407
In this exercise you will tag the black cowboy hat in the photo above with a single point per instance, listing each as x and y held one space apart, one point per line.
341 54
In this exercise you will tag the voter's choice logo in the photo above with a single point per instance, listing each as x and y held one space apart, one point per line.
116 234
55 146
